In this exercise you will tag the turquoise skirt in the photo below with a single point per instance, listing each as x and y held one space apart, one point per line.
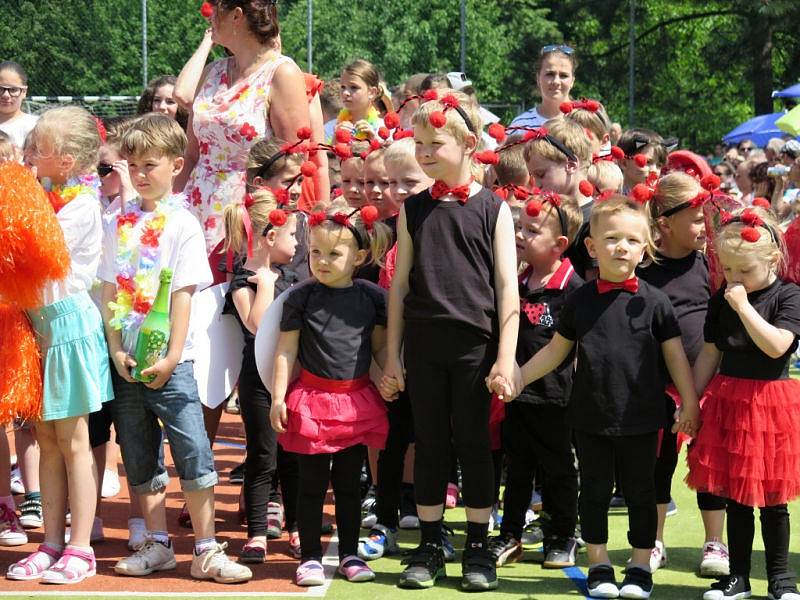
75 364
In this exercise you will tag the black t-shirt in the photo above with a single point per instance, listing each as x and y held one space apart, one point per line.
335 326
577 253
539 313
779 305
372 271
299 264
618 386
452 276
685 282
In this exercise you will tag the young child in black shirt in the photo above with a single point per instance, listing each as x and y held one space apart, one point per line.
680 270
748 449
454 307
535 431
334 326
625 330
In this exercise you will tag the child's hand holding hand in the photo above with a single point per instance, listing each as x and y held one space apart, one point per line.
363 128
389 388
510 377
124 362
277 415
162 370
736 296
393 381
500 388
687 420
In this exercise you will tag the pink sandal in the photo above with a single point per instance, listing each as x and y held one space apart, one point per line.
34 565
73 567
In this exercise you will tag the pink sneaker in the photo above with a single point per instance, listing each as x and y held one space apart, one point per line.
32 566
73 567
451 499
715 561
294 544
11 531
355 570
310 573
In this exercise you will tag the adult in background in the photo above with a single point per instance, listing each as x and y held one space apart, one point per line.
14 122
159 96
254 93
555 76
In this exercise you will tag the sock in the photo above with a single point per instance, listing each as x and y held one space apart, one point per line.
87 549
55 547
642 567
601 564
476 535
431 532
33 496
162 537
203 545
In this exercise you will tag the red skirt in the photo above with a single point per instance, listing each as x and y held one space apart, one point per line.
325 416
748 447
497 413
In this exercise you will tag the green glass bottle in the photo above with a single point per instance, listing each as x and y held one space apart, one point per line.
151 345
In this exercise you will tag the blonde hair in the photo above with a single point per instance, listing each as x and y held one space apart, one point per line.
765 248
568 133
455 124
573 216
617 204
259 155
374 155
595 121
6 148
156 133
115 130
400 151
511 167
264 202
672 190
377 239
605 175
69 130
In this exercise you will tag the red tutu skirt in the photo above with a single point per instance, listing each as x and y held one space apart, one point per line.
325 415
497 413
748 447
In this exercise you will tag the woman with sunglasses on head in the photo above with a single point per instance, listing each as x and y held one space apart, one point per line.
13 90
555 76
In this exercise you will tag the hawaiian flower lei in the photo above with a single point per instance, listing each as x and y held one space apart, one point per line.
61 195
137 259
373 118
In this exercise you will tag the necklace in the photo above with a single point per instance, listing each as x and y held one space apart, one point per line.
373 118
137 259
61 195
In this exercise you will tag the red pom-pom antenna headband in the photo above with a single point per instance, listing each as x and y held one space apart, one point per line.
368 215
535 205
710 185
582 104
751 221
207 10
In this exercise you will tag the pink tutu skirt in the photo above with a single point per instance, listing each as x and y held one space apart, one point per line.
497 414
748 446
326 415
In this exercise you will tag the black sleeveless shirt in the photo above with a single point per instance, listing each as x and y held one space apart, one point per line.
452 275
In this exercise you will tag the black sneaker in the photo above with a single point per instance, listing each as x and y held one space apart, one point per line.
505 549
730 587
601 582
638 583
424 566
478 571
236 475
783 587
560 553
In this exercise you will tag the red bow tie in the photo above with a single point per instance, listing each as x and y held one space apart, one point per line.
440 190
629 285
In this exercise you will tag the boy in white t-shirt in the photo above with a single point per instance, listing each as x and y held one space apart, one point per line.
155 232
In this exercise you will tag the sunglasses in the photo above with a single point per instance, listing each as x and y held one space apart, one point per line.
14 92
104 170
746 149
568 50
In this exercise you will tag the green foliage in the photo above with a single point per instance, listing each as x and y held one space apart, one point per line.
700 67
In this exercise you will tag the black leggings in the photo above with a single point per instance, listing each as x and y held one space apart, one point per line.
667 459
391 461
343 470
636 457
774 531
285 477
262 448
446 367
706 501
538 435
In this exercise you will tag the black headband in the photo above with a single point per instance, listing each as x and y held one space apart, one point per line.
763 224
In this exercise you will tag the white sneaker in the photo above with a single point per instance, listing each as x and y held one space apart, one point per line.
409 522
137 534
95 536
215 564
11 532
110 484
151 557
715 562
16 481
658 556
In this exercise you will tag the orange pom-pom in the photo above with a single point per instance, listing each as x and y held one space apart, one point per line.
32 247
392 120
751 234
640 160
617 152
641 193
533 208
437 119
206 10
308 169
762 202
20 368
586 188
368 214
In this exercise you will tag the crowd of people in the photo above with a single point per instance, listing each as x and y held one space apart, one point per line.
533 317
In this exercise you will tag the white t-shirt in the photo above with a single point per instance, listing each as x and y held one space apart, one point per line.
82 225
17 129
530 118
182 248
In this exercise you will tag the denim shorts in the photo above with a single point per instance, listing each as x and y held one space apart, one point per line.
137 411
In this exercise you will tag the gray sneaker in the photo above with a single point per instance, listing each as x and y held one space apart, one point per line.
215 564
560 553
152 556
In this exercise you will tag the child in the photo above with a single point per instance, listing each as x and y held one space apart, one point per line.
63 150
511 172
361 90
605 175
115 186
645 154
157 232
535 430
406 178
747 450
681 271
454 308
353 178
333 325
592 116
256 281
376 186
624 328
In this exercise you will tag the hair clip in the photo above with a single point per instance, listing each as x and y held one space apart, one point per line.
101 129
